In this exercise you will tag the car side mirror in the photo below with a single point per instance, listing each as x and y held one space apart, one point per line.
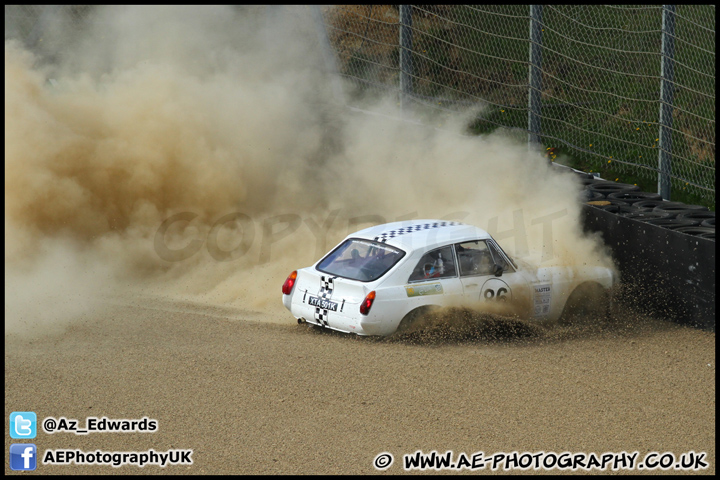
497 270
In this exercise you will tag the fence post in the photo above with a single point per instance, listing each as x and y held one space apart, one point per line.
667 92
535 79
406 45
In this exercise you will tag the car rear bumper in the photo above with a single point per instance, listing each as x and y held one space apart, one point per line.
346 321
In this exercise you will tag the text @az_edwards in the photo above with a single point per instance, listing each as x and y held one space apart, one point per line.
94 424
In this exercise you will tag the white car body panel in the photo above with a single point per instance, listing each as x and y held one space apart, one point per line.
333 301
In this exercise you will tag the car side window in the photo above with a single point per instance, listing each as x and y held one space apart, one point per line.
474 258
439 263
498 258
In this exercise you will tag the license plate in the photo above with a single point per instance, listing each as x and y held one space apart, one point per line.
324 304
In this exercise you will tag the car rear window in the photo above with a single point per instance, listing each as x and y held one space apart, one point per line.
359 259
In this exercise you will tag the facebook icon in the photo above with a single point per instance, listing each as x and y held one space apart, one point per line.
23 456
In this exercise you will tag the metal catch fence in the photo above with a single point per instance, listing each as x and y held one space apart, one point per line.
629 86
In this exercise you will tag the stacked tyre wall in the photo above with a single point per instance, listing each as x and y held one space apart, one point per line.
665 250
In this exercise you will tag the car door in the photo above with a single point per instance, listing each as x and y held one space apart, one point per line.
435 274
478 262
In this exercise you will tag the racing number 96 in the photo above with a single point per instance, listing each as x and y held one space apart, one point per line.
501 296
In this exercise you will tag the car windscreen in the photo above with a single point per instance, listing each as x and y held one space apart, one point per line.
362 260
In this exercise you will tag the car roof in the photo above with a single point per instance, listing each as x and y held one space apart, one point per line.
411 235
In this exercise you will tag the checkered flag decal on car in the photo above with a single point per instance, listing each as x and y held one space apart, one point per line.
327 284
383 237
326 287
321 317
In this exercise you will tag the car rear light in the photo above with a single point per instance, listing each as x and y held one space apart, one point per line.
289 283
367 303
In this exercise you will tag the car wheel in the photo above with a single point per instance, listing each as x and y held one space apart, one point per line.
413 319
588 303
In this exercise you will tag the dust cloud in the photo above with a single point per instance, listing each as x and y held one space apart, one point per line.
196 152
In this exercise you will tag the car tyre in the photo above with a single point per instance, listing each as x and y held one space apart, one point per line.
413 319
634 197
588 303
696 231
607 188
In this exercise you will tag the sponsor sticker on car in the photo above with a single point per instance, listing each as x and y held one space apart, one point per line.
424 289
542 299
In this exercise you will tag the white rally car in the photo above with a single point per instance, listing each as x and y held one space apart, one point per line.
386 276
